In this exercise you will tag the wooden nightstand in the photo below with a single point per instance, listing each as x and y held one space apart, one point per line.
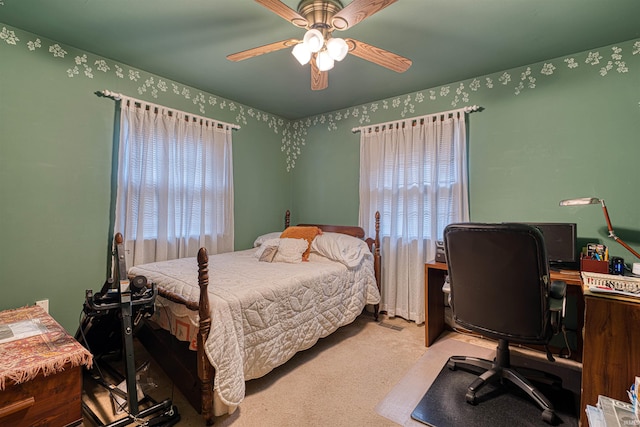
40 375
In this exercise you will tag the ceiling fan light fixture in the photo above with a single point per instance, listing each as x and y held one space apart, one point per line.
302 53
314 40
324 61
337 48
318 48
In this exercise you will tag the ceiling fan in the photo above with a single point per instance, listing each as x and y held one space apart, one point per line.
319 47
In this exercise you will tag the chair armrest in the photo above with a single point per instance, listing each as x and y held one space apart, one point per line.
557 300
558 289
556 305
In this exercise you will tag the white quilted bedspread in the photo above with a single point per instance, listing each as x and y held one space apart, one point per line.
263 313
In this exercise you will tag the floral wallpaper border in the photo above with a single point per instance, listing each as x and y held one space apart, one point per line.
604 61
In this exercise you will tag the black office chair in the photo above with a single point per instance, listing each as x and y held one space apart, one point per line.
500 288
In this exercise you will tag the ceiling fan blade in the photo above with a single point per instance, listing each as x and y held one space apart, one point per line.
284 11
378 56
261 50
319 79
356 11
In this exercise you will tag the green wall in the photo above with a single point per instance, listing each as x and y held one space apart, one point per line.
564 128
56 154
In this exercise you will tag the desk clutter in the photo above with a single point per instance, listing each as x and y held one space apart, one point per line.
595 259
612 413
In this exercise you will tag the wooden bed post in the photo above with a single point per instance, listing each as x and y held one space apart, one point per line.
376 262
205 370
374 246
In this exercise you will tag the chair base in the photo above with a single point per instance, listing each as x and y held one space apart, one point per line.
500 369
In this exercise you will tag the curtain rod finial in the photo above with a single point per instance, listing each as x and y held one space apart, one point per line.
113 95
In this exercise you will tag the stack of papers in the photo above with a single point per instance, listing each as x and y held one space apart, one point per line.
611 290
611 413
611 283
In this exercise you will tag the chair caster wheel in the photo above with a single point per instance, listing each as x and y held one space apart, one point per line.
549 416
470 397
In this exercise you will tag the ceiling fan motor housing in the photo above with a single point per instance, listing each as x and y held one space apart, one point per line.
319 14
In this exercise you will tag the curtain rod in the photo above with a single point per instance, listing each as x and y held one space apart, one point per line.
118 97
468 109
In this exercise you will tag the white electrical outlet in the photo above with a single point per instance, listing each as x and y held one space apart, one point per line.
44 303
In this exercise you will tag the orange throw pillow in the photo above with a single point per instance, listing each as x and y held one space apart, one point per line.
302 232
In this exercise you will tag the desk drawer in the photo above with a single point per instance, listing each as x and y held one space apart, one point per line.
51 401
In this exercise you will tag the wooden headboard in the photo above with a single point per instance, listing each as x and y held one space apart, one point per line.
351 230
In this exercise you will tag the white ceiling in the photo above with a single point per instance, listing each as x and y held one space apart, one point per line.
448 40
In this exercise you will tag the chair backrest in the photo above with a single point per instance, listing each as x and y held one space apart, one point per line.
499 278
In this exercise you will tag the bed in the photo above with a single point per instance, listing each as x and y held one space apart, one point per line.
255 315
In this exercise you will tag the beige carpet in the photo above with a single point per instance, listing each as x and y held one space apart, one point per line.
338 382
364 374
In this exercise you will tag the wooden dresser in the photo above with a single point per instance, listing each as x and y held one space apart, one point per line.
41 374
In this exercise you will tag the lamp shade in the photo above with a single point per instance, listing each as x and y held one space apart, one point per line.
580 201
596 201
324 61
337 48
302 53
314 40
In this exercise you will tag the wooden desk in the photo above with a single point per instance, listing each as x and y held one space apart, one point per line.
611 356
40 375
434 274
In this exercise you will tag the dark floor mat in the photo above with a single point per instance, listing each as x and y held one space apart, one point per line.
444 404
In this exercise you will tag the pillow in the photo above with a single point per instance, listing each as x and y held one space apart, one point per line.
270 243
343 248
302 232
263 238
291 250
268 254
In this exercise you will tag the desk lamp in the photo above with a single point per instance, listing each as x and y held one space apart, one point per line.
595 201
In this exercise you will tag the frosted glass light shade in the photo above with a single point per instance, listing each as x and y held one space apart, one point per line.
314 40
337 48
302 53
324 61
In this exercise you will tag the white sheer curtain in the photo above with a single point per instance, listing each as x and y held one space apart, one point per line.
175 184
415 173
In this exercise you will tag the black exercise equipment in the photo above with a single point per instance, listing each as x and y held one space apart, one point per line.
110 318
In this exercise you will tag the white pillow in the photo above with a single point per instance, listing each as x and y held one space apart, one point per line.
263 238
291 250
340 247
275 242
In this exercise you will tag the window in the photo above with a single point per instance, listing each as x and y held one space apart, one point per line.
175 184
416 176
